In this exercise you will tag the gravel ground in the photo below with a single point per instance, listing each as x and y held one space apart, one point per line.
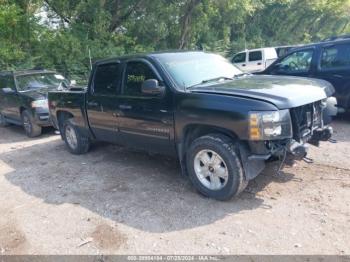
114 201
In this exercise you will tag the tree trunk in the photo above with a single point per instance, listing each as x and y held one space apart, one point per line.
118 18
186 22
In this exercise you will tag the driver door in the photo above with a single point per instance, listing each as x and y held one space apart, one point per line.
145 121
240 60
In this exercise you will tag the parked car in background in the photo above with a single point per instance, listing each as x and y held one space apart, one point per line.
254 60
221 124
328 60
23 98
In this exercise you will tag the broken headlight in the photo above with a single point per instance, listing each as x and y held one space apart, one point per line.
270 125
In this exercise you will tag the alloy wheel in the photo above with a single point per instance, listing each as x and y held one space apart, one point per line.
26 124
211 169
71 137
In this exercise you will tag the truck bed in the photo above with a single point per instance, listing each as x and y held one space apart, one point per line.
72 101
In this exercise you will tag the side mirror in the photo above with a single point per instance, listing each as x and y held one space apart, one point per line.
152 87
8 90
73 82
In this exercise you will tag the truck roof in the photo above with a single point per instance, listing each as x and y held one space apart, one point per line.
151 54
323 43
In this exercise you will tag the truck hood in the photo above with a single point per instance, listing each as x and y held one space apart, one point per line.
282 91
38 94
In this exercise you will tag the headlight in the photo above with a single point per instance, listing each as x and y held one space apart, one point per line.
40 103
270 125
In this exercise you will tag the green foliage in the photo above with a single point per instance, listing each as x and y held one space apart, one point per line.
74 29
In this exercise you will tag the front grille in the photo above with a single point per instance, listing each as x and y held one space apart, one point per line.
305 120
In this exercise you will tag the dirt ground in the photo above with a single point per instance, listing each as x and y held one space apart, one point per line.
114 201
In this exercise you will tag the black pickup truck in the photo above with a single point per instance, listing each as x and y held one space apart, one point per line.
222 125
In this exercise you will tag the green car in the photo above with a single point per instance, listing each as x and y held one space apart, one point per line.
23 98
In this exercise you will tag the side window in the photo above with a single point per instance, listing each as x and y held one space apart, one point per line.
298 62
2 82
7 82
255 56
136 73
107 79
239 58
334 57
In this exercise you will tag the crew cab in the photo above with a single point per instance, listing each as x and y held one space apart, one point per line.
23 98
222 125
255 60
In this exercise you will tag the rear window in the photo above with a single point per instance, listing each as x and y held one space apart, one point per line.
239 58
335 57
255 56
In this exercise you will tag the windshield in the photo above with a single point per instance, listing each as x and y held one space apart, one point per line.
38 81
189 69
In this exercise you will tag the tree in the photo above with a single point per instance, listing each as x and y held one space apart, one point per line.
74 29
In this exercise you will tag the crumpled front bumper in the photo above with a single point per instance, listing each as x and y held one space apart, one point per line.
255 155
298 151
42 117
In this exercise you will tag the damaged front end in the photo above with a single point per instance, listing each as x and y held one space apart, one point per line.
308 128
282 137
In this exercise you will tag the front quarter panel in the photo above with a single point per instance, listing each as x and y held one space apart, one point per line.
225 112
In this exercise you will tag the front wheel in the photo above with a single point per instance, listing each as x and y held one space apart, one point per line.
215 168
3 122
30 127
76 142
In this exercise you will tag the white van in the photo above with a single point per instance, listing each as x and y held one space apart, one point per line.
254 60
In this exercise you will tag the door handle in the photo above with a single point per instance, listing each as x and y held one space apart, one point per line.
125 107
244 65
92 103
259 64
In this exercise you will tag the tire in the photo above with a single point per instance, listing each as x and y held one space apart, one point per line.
207 159
30 127
76 142
3 122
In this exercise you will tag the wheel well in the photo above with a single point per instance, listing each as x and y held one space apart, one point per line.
62 116
21 109
193 132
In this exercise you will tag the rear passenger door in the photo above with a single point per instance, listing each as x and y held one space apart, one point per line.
102 100
145 121
255 61
334 66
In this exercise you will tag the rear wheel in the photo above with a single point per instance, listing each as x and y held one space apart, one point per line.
76 142
215 168
30 127
3 122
